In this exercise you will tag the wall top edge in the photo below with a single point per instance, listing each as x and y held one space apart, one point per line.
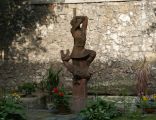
77 1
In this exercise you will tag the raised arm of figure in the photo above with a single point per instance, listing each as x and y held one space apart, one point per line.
84 23
75 22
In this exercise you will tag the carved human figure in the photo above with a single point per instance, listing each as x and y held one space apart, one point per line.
81 57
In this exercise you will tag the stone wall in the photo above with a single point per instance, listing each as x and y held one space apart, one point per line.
122 34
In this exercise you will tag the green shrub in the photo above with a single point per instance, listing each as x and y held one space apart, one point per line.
52 79
11 108
27 88
147 102
100 110
135 115
60 98
56 89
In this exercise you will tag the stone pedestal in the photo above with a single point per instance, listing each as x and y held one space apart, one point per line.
79 96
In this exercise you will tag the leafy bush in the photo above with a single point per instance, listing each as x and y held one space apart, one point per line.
27 88
11 108
100 110
135 115
60 98
56 89
52 79
148 102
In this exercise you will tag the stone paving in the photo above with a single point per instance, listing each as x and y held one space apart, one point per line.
47 115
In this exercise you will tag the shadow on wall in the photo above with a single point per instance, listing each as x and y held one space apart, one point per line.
13 73
152 27
18 19
16 73
115 78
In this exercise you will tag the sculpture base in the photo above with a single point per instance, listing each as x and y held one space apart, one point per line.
79 96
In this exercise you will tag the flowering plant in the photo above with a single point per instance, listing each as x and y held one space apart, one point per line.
148 102
11 108
52 79
56 89
60 97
